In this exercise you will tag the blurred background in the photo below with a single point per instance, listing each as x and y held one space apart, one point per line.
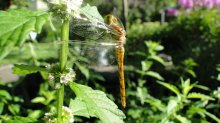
172 59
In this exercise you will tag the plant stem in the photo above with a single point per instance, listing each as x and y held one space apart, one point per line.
63 60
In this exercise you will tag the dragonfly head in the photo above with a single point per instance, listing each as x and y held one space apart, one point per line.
110 19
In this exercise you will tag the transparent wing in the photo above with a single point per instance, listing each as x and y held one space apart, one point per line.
91 29
93 53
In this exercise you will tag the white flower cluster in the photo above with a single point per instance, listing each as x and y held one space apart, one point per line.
56 79
67 112
72 6
67 116
66 78
49 117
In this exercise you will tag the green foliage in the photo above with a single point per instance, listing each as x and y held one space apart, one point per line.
26 69
149 57
18 119
185 47
90 103
14 33
91 12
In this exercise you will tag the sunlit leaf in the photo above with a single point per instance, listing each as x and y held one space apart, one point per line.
213 116
91 12
182 119
201 87
156 58
1 107
199 96
146 65
16 25
79 108
96 104
154 74
38 100
18 119
172 105
26 69
5 94
186 86
170 87
14 108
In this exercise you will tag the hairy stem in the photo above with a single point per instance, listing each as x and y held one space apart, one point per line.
63 60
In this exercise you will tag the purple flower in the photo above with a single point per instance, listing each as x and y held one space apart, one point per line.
182 3
186 3
172 12
189 4
207 3
216 3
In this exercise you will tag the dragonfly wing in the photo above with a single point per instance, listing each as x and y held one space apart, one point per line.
96 54
86 29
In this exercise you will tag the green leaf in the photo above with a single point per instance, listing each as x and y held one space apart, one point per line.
156 103
26 69
186 86
202 87
182 119
92 13
14 108
154 74
157 58
199 96
5 94
1 107
38 100
79 108
172 106
35 113
191 72
18 119
84 70
96 104
170 87
212 116
146 65
15 26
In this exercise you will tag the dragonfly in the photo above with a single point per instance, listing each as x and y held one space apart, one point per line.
116 37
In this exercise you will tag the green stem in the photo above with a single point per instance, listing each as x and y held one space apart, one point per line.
63 60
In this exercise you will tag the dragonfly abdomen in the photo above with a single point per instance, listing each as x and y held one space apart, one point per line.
120 58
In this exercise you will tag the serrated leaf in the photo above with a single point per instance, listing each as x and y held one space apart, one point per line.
96 104
91 12
199 96
15 26
79 108
170 87
26 69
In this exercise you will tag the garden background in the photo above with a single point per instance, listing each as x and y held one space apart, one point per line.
172 63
